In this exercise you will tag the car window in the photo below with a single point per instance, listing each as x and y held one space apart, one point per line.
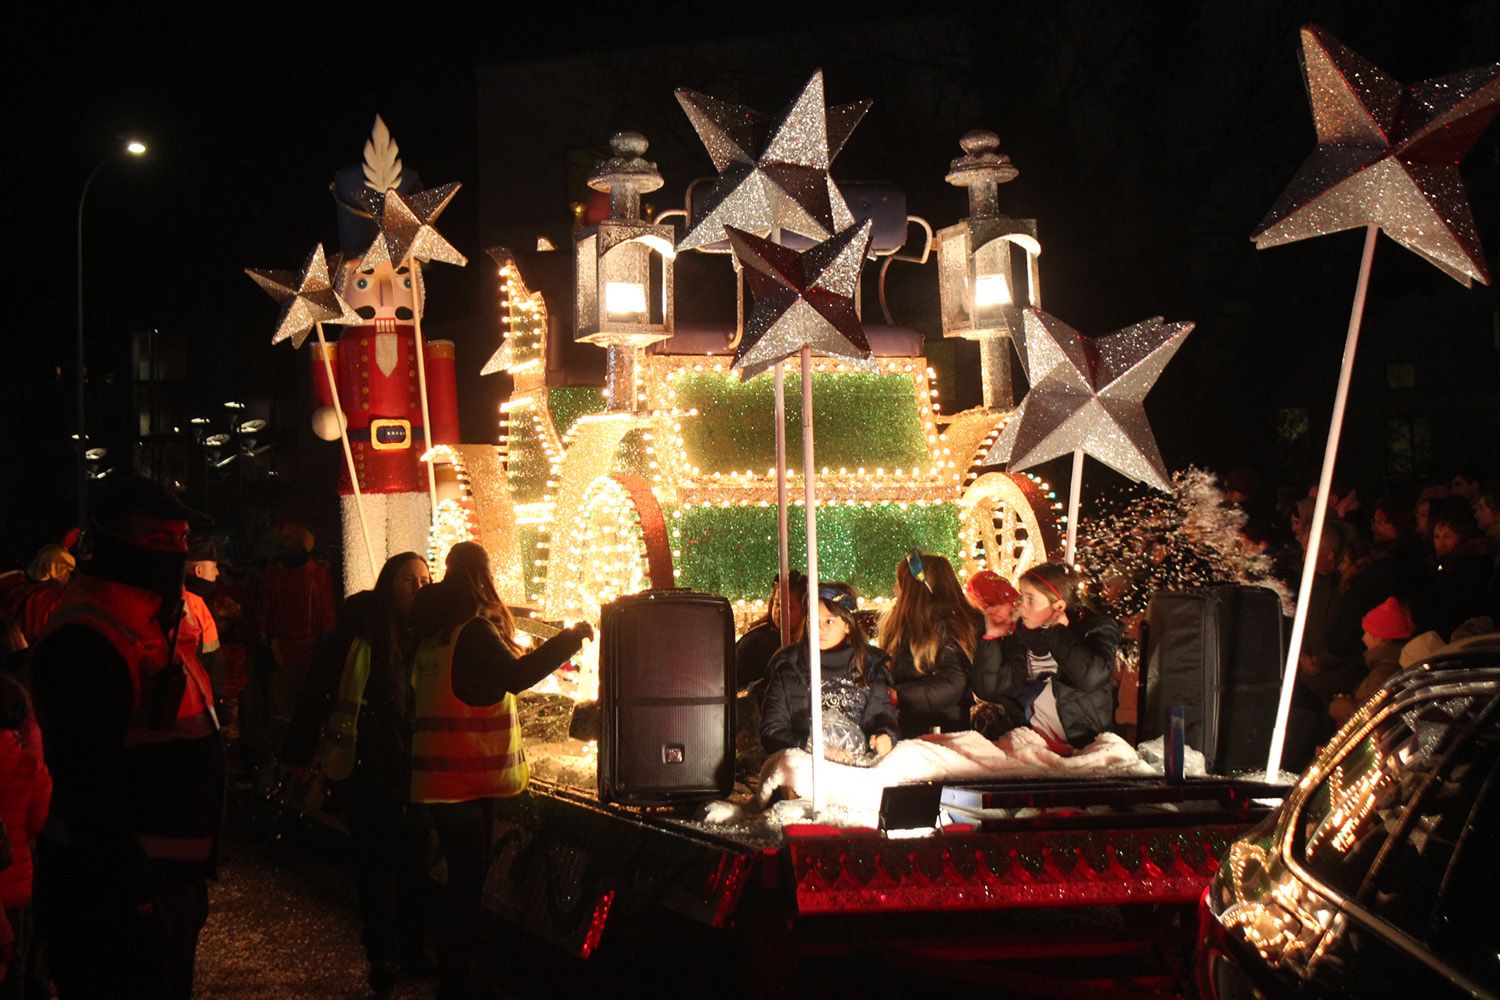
1461 931
1350 814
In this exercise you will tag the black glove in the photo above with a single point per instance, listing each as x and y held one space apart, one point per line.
582 629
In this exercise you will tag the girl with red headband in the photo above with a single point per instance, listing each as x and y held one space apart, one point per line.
1058 677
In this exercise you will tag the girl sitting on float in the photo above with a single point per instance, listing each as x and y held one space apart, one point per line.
930 634
859 723
1057 677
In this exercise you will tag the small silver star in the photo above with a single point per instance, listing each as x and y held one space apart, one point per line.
307 298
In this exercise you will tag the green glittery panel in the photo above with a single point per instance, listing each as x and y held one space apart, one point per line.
859 420
732 550
527 535
526 461
568 403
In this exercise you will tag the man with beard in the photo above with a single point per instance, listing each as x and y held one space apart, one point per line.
133 744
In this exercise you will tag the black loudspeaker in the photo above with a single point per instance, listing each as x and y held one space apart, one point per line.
666 695
1218 653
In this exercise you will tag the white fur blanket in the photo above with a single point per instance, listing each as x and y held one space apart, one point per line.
853 793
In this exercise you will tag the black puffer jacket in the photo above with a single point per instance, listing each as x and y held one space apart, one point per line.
1084 683
787 713
938 698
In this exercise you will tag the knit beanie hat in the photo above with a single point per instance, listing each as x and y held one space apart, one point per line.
1388 620
990 588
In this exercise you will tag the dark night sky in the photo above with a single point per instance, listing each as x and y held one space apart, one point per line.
1151 138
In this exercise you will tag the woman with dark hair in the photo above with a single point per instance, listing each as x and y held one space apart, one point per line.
1058 677
466 734
930 633
354 717
753 651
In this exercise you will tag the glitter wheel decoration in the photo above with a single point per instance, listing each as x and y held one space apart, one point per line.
1009 525
619 547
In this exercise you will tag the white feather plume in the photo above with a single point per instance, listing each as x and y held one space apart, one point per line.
382 159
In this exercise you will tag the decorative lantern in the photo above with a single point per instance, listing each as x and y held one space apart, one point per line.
976 285
618 305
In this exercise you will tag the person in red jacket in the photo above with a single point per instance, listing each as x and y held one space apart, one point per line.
25 794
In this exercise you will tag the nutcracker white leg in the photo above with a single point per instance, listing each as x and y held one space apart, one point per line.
358 573
408 523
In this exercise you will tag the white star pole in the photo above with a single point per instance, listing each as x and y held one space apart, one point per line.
1387 159
1320 511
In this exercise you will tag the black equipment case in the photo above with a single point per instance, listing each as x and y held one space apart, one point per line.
1218 653
666 696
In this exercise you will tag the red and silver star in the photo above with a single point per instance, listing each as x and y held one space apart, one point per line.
1387 156
307 298
802 299
1087 394
784 187
406 228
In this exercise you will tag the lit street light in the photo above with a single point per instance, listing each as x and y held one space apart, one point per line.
133 148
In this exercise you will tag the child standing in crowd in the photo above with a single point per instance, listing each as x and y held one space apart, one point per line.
996 599
1387 627
25 793
1058 676
930 633
859 723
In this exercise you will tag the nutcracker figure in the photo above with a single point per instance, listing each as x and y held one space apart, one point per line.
378 370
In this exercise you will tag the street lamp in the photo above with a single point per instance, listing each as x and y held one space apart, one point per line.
618 307
976 289
133 147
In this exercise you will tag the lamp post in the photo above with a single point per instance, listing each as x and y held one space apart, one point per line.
975 286
617 305
132 148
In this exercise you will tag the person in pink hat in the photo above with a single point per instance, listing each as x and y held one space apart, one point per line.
1387 627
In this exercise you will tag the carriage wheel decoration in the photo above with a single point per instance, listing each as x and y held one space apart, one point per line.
619 546
1008 524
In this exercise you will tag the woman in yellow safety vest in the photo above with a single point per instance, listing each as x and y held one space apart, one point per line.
466 736
354 716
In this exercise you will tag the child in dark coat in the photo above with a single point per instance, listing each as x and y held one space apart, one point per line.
1057 674
859 722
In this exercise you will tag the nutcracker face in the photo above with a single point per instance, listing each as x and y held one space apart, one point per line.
379 293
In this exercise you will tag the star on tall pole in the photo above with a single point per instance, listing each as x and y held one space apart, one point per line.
783 187
1087 397
308 301
1386 159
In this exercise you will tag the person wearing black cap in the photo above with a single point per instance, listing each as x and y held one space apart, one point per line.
133 744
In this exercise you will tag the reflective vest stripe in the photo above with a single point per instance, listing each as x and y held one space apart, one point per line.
335 752
494 761
461 752
459 724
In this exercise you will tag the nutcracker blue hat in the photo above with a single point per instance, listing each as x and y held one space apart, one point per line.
842 598
358 189
918 571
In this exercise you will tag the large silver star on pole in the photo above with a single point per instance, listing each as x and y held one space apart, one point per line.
1087 395
307 298
406 228
802 299
1387 156
784 187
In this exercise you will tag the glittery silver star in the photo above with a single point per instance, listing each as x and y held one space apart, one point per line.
1087 395
1387 157
802 299
784 187
307 298
406 228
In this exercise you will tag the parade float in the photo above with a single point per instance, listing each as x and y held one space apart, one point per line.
673 473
